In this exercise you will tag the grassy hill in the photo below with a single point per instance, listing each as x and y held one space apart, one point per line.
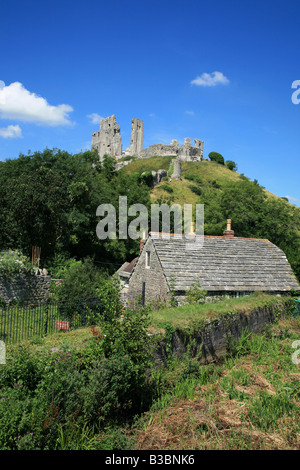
214 177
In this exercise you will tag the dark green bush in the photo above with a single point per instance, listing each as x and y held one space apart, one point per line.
86 293
146 178
216 157
22 368
167 188
194 178
215 184
195 189
231 165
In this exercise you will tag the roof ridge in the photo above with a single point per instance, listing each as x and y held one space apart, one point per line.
178 235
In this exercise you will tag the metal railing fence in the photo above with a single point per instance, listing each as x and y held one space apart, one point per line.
23 322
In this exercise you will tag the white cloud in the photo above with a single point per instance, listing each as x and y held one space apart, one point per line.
11 132
210 79
18 103
191 113
95 118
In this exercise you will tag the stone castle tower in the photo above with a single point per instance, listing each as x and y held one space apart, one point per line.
137 135
109 141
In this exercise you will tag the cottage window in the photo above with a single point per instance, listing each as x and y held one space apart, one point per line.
148 259
143 293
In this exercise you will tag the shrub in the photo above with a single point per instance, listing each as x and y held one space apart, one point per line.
196 294
23 420
146 178
194 178
195 189
167 188
231 165
215 184
81 282
13 263
129 336
216 157
22 368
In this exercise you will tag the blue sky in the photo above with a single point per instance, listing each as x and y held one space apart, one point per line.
63 63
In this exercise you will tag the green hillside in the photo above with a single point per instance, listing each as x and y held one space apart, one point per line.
213 177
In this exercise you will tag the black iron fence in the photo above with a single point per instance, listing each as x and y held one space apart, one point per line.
20 323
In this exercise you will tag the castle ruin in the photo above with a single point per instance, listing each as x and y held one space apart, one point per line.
109 141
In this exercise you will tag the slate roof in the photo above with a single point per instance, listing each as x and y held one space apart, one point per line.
226 264
126 268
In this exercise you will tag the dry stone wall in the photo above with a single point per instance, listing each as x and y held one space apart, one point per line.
211 341
28 289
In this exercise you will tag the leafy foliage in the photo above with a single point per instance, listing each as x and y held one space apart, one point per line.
13 263
196 294
216 157
49 199
192 177
231 165
195 189
46 397
254 215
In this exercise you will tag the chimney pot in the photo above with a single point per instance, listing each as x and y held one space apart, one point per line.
228 233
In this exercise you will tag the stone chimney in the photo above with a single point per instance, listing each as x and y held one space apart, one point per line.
228 233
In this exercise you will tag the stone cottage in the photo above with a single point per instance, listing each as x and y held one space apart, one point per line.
225 265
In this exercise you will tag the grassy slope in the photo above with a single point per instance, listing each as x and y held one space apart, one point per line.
206 170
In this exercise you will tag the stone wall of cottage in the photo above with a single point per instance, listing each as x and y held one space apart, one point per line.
156 288
28 289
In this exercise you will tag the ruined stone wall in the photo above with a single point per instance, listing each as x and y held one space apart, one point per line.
156 287
30 288
161 150
177 169
188 153
137 135
185 152
108 140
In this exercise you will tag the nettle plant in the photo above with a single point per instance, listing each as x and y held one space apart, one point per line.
13 264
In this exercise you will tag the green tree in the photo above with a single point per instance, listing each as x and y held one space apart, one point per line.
216 157
231 165
49 199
